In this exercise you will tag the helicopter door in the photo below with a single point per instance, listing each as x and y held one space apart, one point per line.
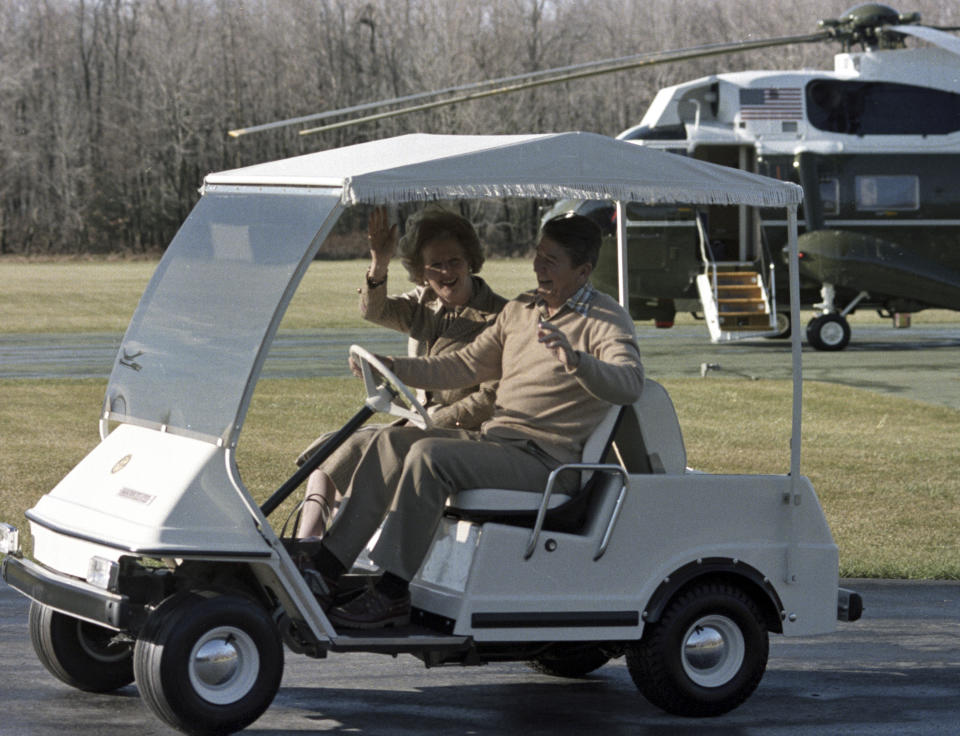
734 232
736 285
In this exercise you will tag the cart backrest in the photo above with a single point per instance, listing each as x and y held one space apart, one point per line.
649 439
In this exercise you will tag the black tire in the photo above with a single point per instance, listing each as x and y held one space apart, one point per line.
571 661
705 655
208 664
828 332
78 653
784 328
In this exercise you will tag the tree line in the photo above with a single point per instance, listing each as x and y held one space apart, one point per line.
112 111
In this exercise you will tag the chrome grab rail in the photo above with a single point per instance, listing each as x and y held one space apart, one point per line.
548 491
705 256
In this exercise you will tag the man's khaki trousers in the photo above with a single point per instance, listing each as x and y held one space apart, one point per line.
411 472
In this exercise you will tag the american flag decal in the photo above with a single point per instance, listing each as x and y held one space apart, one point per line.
771 103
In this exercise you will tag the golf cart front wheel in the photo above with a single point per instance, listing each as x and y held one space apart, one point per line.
705 655
80 654
208 664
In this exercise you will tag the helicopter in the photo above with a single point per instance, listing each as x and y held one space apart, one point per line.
869 142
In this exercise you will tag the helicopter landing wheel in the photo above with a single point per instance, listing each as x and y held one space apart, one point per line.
783 327
828 332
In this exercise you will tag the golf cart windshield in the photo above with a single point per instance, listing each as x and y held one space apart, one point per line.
198 338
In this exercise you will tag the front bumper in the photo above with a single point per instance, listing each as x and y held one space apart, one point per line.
71 596
849 605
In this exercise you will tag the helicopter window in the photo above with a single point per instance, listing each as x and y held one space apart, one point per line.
888 192
638 212
881 108
601 212
830 196
658 133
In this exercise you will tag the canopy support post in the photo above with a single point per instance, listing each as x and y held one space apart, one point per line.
623 287
794 497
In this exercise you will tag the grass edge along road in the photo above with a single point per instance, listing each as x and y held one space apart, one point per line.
875 461
101 296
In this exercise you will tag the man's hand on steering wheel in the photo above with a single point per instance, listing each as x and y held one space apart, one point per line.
389 394
357 371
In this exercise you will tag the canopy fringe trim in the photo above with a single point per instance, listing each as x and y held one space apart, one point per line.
357 192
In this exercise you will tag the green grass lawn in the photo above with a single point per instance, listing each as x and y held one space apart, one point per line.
88 296
100 296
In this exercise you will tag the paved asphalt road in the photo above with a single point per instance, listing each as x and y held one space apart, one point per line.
896 672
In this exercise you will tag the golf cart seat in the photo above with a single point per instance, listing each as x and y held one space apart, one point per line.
643 437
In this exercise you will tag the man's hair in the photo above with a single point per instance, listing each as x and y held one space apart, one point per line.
579 236
433 223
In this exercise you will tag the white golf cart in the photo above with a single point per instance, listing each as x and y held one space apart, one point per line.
154 563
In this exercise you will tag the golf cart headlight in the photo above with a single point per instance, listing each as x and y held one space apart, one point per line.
9 539
103 573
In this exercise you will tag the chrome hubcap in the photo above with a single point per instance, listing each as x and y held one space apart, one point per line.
713 651
224 665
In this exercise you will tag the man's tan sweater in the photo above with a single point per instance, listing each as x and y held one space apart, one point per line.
538 399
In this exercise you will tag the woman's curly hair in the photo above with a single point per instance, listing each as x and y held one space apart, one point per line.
429 224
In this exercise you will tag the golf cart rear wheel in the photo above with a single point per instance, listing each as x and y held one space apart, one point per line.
705 655
572 661
80 654
208 664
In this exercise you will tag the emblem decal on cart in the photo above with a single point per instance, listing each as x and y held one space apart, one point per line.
138 496
129 360
121 464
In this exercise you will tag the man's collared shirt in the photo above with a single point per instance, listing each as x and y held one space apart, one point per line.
579 302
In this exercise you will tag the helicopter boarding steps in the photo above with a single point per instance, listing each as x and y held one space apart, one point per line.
736 303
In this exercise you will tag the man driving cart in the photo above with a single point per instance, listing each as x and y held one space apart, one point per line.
564 353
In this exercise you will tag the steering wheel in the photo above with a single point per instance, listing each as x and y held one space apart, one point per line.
391 396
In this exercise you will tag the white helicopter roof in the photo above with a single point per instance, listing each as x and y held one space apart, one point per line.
560 165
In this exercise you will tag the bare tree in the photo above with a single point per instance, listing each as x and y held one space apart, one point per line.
112 111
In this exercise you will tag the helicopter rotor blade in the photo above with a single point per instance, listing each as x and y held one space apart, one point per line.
935 36
237 132
591 69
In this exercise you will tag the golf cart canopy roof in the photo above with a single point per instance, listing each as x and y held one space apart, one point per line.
555 166
197 342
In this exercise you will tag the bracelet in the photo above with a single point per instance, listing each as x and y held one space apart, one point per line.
371 284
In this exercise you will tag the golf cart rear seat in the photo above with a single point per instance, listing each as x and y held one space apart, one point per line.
644 437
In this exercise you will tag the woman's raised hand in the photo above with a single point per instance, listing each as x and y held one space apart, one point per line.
382 237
